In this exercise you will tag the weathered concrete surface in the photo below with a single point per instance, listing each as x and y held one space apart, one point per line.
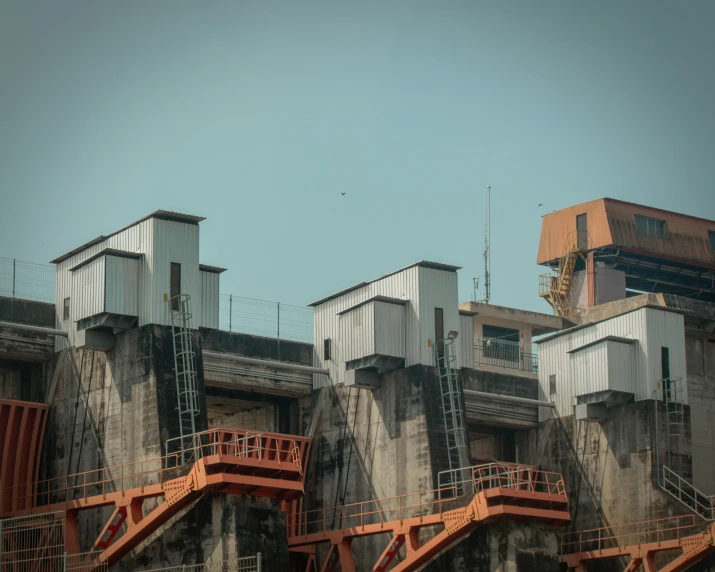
22 381
503 547
370 445
114 408
608 468
216 528
485 412
27 312
256 346
25 346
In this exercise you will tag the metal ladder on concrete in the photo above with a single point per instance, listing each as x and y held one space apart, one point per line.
451 390
674 420
670 480
184 366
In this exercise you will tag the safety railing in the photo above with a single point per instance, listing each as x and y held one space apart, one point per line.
265 318
504 353
243 564
637 533
701 504
456 484
97 482
499 475
259 446
547 283
285 449
27 280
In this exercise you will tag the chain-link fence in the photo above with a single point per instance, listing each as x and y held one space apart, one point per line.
37 543
27 280
30 281
264 318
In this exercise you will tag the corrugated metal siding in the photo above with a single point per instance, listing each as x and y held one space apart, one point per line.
651 328
621 370
122 285
209 299
161 243
138 238
466 340
174 242
357 335
423 288
404 285
87 290
389 329
438 289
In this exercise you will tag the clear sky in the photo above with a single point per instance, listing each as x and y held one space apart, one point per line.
259 114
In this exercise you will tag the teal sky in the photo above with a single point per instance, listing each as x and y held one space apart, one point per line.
258 114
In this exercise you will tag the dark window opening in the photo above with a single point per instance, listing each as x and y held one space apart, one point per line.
650 226
439 329
711 236
665 373
66 309
552 385
326 349
175 287
582 232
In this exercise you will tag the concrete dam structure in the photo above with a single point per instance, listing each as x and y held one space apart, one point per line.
147 423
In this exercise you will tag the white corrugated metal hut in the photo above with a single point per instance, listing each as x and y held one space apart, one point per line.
389 322
125 279
620 359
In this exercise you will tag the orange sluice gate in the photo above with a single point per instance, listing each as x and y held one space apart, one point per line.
22 428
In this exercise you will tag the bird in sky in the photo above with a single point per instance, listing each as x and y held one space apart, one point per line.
342 194
540 204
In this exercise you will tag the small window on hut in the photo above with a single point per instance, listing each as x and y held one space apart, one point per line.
326 349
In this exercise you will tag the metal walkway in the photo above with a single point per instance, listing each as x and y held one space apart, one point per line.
495 491
688 539
231 461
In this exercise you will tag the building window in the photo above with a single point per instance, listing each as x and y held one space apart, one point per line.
326 349
650 226
175 286
552 385
711 236
66 309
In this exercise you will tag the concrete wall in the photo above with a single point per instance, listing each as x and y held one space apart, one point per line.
113 408
608 468
216 528
700 358
374 444
503 547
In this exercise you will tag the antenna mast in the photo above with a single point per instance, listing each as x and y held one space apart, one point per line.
487 244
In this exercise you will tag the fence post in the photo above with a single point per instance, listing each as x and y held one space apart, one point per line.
13 277
258 562
278 329
230 310
64 562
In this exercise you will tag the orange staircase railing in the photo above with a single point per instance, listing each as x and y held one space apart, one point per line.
689 536
231 461
485 493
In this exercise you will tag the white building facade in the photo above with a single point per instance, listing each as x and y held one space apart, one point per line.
617 360
389 322
127 278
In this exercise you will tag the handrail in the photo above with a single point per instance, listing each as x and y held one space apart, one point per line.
154 471
619 536
701 504
501 476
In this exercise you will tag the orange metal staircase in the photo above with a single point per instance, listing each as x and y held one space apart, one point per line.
486 493
231 461
688 537
555 288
